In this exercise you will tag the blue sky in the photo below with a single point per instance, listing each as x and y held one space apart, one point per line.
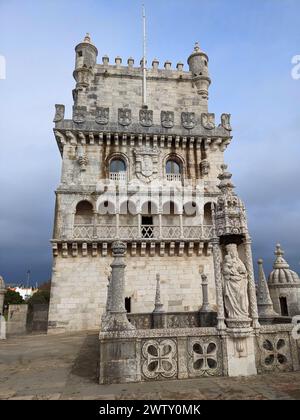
250 44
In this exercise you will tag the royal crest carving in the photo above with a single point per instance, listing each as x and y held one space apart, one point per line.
146 117
102 115
225 121
79 114
159 359
59 113
235 285
188 120
208 121
167 119
146 163
124 116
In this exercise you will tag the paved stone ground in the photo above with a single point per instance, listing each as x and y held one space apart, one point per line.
65 367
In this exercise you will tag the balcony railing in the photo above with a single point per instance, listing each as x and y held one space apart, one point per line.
146 232
174 177
117 176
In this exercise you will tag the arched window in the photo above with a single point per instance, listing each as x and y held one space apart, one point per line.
117 169
173 170
84 213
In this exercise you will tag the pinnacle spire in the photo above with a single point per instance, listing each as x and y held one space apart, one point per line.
264 301
158 306
87 38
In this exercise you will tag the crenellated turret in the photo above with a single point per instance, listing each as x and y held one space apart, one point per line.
198 65
86 59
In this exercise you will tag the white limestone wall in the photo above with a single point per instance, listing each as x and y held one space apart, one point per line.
79 287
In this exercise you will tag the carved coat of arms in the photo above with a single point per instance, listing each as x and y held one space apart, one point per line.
124 116
146 163
225 121
59 113
188 120
167 119
102 115
208 121
79 114
146 117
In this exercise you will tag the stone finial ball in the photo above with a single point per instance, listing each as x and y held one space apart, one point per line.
118 248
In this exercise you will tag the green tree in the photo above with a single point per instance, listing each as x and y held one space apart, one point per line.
39 297
12 298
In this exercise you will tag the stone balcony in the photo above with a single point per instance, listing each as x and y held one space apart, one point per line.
142 232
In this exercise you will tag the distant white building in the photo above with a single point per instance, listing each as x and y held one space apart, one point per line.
25 292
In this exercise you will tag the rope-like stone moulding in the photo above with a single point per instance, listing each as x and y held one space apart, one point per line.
219 286
251 286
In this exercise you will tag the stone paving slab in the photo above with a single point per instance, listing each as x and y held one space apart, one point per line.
64 366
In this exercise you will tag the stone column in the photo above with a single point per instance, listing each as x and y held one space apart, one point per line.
2 294
181 225
219 286
205 303
139 225
117 226
251 284
158 306
160 225
116 319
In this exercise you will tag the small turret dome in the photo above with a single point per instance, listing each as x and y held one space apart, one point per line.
281 273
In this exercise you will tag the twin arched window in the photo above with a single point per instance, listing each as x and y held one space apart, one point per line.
117 169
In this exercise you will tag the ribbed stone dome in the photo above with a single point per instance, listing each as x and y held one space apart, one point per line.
281 270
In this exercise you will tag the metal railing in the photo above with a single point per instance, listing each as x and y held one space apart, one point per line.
173 177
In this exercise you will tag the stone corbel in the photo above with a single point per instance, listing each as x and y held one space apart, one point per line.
60 137
94 249
181 249
74 249
71 137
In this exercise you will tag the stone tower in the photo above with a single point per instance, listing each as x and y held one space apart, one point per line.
148 176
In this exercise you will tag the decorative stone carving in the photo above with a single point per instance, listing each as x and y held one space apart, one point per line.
167 119
188 120
102 115
204 167
82 158
146 117
275 353
79 114
204 357
146 163
208 121
59 113
124 116
235 285
160 359
225 121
